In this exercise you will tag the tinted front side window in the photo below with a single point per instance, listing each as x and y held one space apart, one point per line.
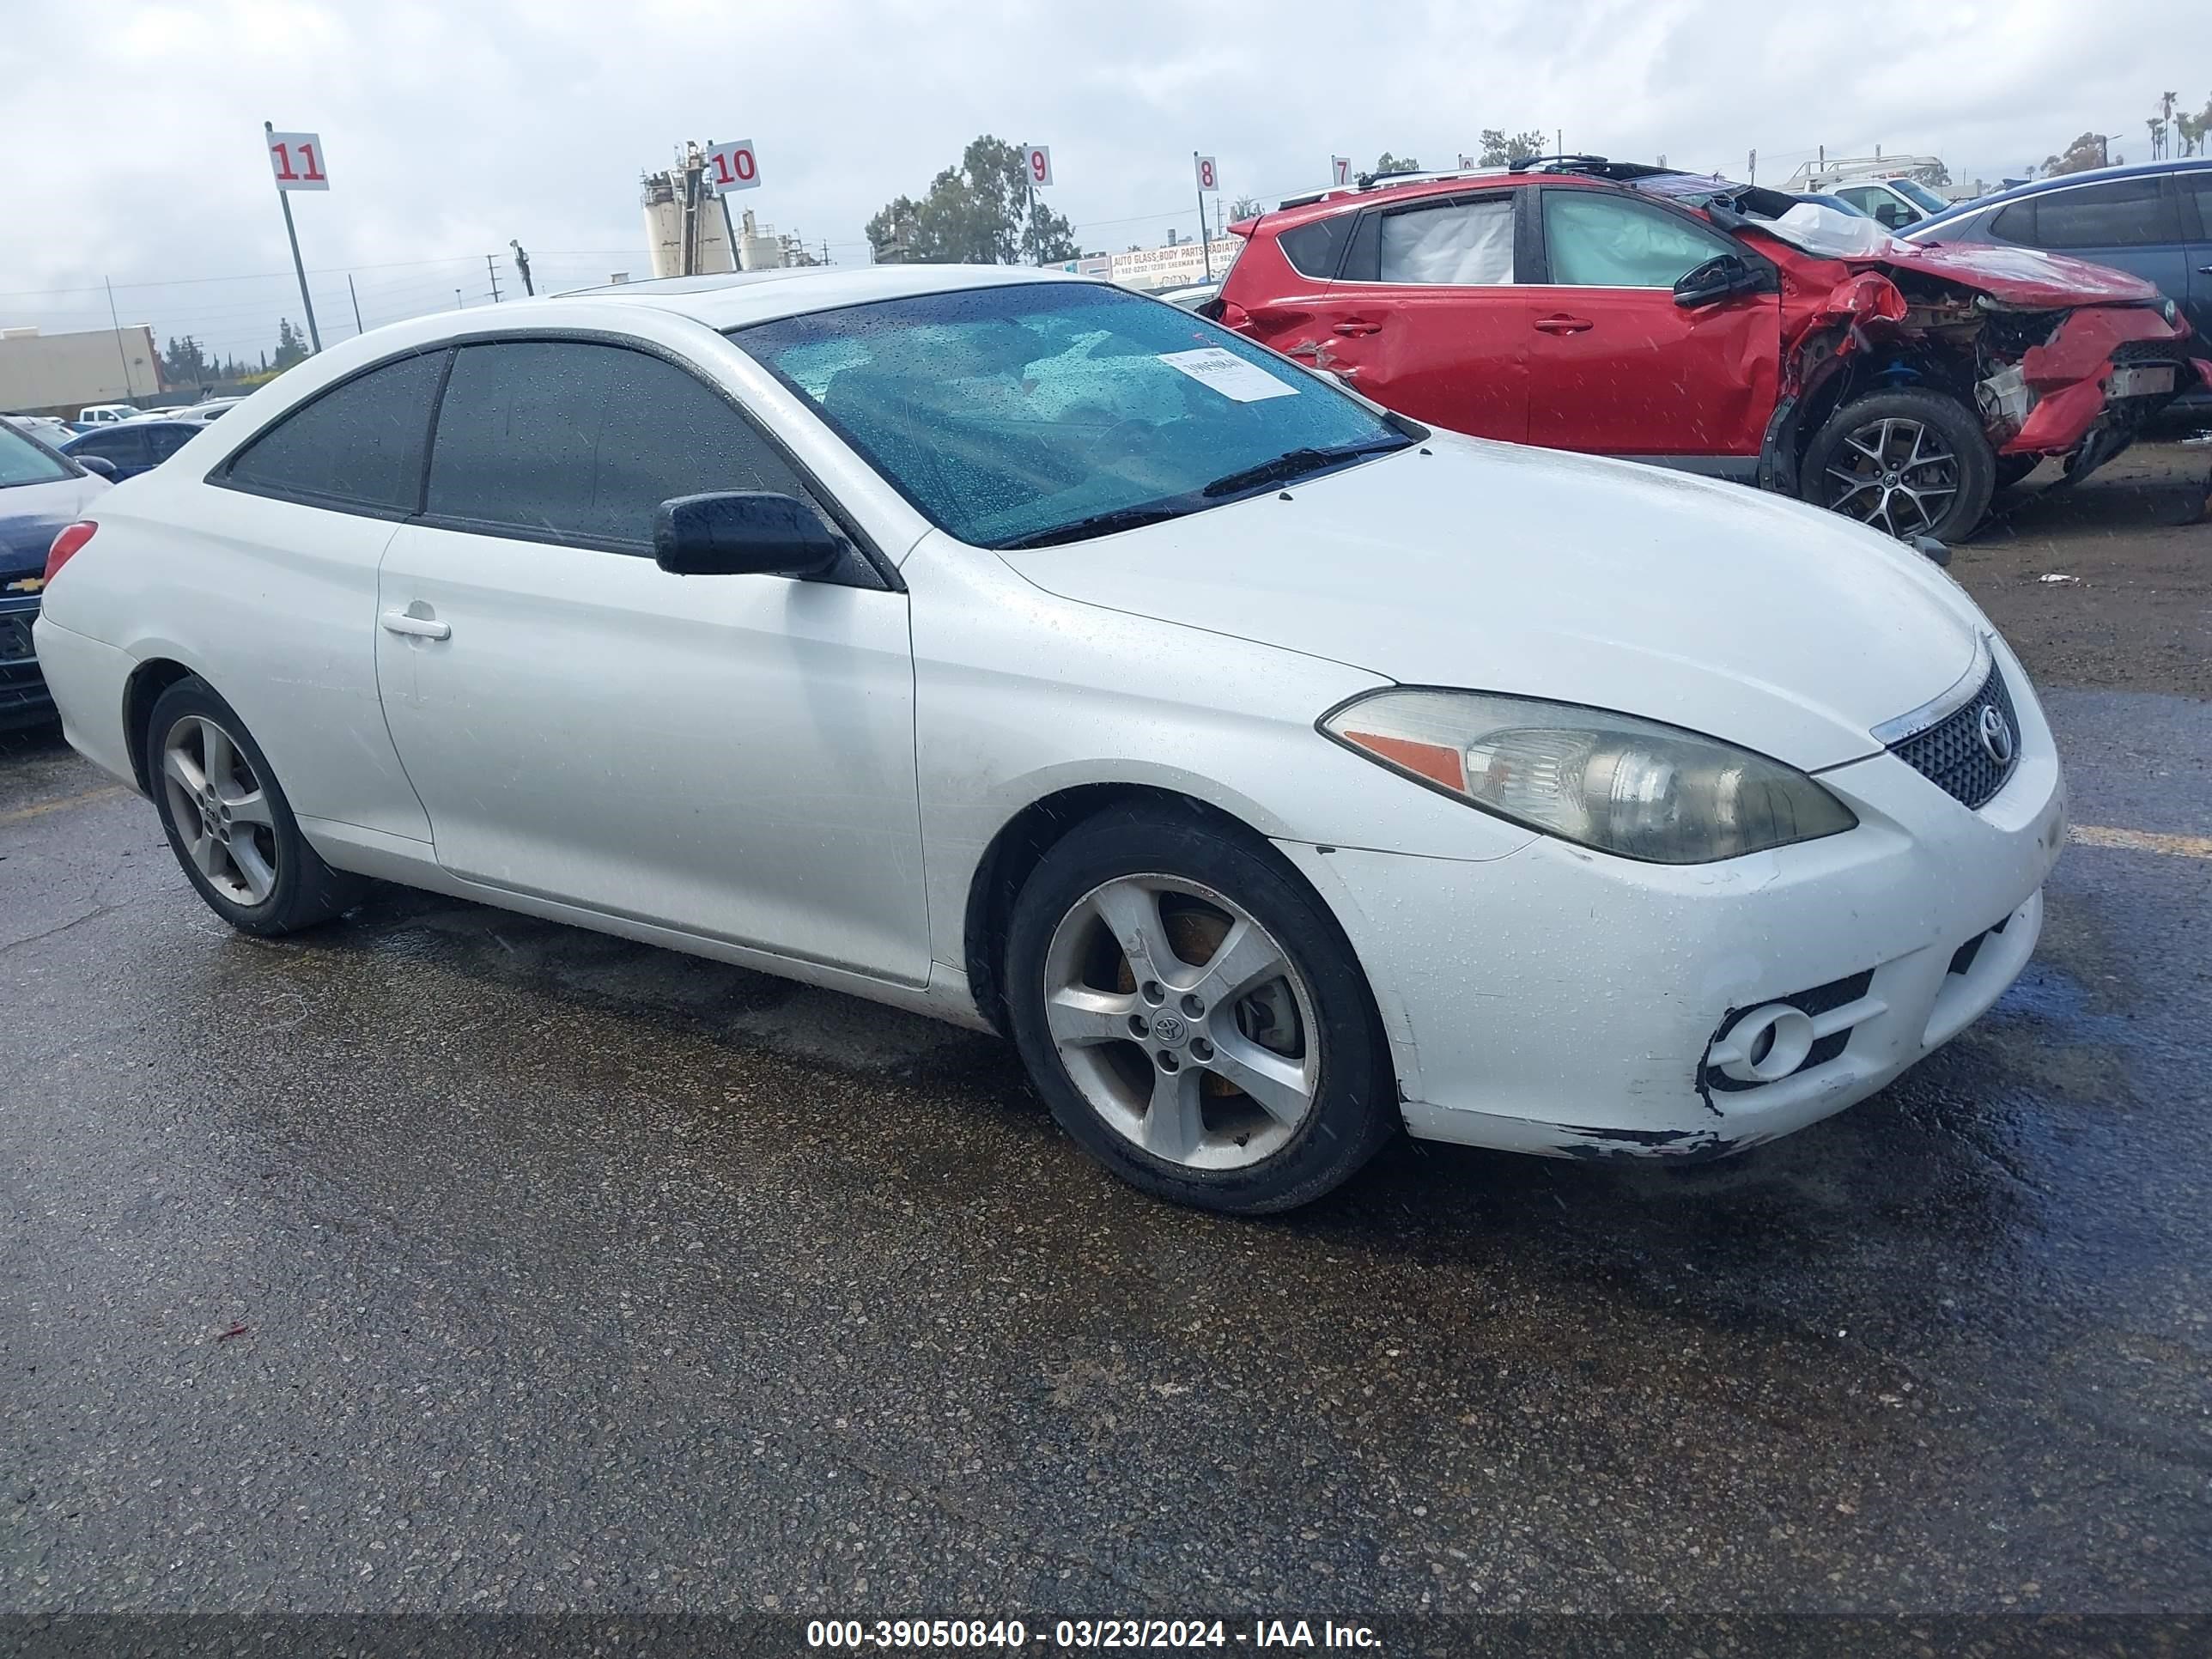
168 440
576 442
1601 241
1313 250
2125 213
124 445
359 445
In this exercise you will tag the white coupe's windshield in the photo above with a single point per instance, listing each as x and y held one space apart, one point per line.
1031 413
22 462
1920 193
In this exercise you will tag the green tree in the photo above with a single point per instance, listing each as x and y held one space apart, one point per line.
981 212
2091 150
1502 149
184 362
291 346
1386 162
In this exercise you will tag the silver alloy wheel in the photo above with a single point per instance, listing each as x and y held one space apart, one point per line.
1182 1022
220 810
1896 474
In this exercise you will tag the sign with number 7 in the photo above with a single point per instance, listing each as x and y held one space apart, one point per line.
296 159
1039 160
734 166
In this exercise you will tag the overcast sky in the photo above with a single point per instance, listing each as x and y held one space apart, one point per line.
133 129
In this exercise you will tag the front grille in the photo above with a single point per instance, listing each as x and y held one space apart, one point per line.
15 634
1951 754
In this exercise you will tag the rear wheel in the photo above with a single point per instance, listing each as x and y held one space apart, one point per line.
229 824
1906 463
1194 1017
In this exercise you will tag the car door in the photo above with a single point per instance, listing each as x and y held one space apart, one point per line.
2131 224
1425 317
731 756
1615 366
2195 190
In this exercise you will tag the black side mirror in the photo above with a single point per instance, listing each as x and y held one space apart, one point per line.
99 464
1722 274
743 532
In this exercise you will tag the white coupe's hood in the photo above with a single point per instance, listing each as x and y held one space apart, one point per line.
1529 571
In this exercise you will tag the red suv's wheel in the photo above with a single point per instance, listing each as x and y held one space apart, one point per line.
1908 463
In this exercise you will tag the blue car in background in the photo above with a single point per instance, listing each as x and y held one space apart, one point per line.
133 446
41 491
2153 220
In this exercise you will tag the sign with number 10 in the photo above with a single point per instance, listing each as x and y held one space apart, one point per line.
734 166
296 159
1038 159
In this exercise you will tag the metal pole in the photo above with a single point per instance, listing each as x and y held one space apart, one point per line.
358 328
522 264
121 356
1205 248
284 200
493 271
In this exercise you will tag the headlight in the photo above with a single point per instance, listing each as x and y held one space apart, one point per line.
1612 781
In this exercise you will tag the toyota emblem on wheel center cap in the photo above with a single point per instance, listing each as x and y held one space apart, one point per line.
1996 734
1167 1028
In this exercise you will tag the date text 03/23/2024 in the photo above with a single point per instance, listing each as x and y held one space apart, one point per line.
941 1635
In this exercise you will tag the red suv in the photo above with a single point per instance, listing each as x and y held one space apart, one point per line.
1632 311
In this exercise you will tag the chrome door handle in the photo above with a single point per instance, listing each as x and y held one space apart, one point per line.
421 628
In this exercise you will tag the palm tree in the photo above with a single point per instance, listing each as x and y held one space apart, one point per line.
2157 137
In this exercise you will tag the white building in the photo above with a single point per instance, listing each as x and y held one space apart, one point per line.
60 374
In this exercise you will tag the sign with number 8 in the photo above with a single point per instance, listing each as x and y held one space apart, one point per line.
1206 180
734 166
1040 165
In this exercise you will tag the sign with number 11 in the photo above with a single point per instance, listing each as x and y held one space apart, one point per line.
296 159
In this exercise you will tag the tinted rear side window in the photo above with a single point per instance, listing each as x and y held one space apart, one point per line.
567 441
2125 213
357 446
1313 250
124 445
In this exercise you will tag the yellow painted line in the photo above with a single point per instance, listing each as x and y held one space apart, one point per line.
2140 840
21 813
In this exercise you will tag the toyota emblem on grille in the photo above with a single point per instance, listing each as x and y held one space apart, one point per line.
1996 734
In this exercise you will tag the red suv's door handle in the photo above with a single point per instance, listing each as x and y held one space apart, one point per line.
1358 328
1564 324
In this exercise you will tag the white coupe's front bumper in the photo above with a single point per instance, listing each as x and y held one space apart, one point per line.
1559 1000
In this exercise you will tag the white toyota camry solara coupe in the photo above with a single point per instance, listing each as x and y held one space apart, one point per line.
1272 770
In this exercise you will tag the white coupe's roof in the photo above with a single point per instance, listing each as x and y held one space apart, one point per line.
734 299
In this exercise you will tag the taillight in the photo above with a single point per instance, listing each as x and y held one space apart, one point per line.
66 545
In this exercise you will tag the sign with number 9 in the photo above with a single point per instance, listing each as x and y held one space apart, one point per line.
1040 164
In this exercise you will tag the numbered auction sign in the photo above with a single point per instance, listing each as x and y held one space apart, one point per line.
296 159
1040 165
1205 174
1340 168
734 166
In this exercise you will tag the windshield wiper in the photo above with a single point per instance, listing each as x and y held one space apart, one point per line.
1098 524
1298 463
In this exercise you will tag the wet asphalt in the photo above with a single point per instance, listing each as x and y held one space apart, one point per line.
447 1261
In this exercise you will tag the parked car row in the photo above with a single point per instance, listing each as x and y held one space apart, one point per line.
1630 310
1277 771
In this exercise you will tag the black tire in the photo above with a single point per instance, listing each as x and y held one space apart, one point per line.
2014 469
1883 497
1353 1107
305 890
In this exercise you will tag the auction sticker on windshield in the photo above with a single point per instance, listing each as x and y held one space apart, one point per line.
1228 374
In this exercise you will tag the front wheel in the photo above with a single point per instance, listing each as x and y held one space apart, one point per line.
1906 462
229 824
1194 1017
